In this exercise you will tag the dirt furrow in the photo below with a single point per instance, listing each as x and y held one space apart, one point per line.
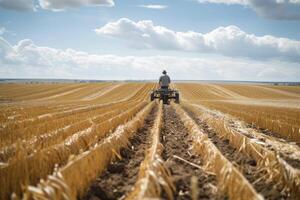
289 151
246 165
176 143
121 175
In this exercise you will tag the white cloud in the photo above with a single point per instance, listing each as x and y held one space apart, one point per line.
273 9
154 6
64 4
228 41
27 60
20 5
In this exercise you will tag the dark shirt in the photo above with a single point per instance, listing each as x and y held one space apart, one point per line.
164 80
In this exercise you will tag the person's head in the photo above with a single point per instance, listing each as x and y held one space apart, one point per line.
164 72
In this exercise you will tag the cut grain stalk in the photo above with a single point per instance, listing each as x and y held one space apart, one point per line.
38 165
92 162
231 182
154 177
278 171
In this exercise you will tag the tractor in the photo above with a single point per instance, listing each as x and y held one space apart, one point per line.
165 94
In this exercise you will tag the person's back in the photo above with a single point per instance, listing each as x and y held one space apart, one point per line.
164 80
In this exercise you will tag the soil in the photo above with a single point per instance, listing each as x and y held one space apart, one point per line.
293 162
121 175
246 165
174 137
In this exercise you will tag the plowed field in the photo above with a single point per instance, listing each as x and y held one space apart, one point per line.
106 141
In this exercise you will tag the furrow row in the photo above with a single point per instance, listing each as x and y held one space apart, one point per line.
277 172
67 182
41 163
230 181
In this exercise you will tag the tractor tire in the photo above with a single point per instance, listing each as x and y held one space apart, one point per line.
177 98
152 97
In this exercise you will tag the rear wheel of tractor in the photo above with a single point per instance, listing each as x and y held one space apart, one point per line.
152 97
177 98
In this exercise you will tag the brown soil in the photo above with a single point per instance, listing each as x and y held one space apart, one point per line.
174 137
246 165
121 175
293 162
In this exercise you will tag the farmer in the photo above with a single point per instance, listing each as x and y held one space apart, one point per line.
164 80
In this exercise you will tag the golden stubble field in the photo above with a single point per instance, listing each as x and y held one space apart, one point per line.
108 141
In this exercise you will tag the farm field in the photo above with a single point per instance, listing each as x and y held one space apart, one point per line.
108 141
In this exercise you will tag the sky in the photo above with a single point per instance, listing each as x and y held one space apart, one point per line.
243 40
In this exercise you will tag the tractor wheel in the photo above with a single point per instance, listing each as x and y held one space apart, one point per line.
152 97
177 98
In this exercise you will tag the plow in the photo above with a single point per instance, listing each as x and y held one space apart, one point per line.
165 95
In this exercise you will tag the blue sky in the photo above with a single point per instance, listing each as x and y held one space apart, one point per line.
142 48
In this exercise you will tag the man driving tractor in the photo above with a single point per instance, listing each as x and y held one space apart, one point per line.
164 80
165 93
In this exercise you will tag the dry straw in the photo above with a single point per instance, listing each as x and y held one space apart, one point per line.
58 130
284 121
154 177
230 181
29 170
30 127
68 182
277 169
